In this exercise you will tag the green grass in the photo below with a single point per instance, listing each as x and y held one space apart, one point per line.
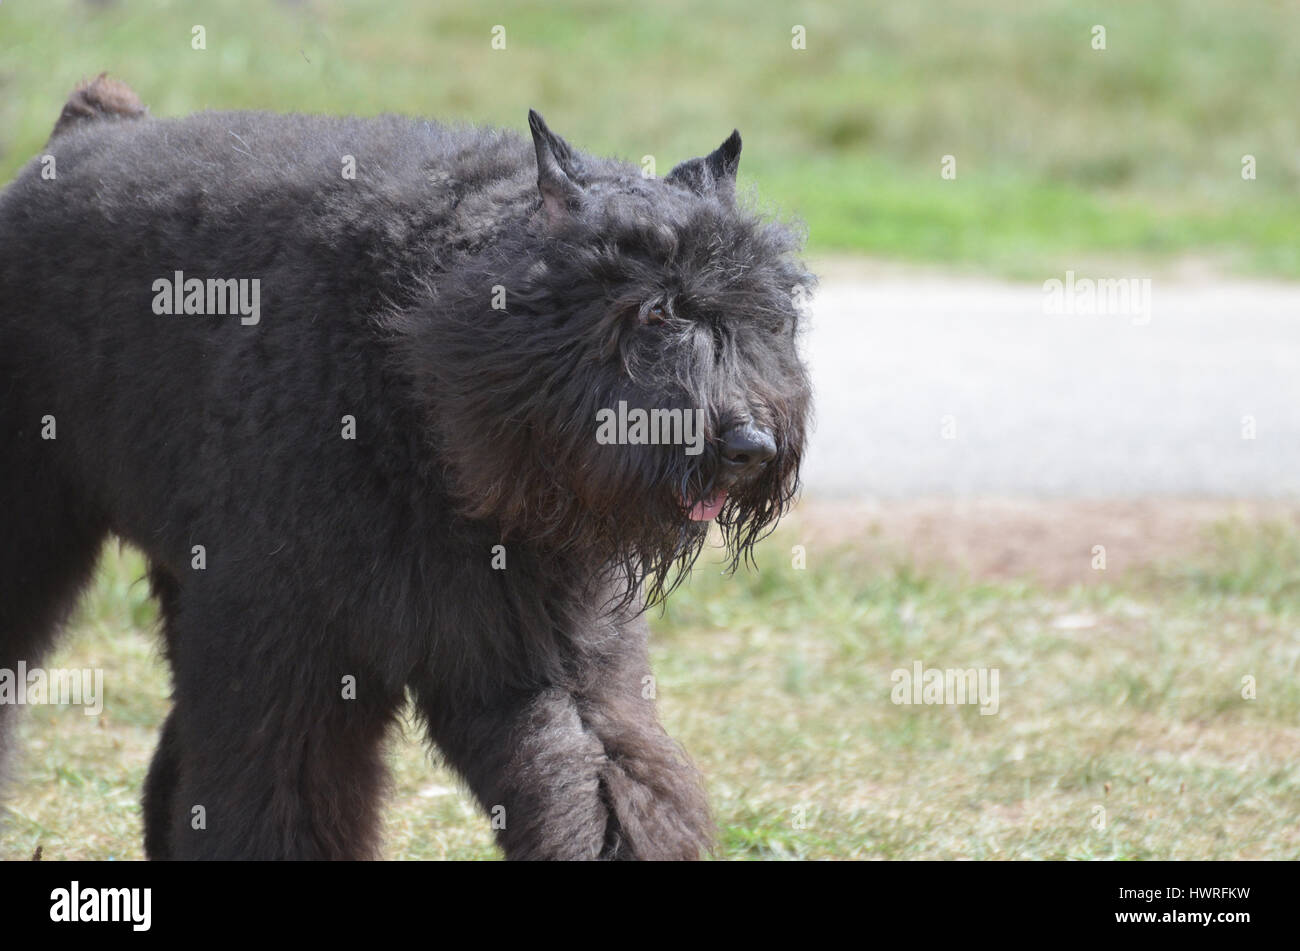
1065 155
1123 702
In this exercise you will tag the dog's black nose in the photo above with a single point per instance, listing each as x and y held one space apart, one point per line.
747 448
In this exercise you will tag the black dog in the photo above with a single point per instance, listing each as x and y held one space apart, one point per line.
389 405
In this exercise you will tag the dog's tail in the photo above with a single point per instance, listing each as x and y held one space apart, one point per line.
99 98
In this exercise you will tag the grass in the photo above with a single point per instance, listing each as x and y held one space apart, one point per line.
1122 732
1066 155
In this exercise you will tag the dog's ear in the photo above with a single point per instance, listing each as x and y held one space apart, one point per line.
556 168
714 174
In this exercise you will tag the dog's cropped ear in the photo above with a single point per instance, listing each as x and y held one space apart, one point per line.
714 174
556 168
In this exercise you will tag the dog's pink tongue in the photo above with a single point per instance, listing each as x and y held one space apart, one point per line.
708 509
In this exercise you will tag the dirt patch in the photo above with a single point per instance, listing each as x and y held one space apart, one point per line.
1051 542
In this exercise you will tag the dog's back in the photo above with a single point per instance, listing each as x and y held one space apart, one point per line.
121 201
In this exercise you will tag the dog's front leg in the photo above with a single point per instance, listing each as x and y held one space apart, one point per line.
579 770
655 795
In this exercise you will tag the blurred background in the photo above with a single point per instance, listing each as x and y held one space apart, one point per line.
974 451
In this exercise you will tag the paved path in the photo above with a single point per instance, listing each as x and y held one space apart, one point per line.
1052 406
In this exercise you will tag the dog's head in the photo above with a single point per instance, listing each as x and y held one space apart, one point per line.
619 370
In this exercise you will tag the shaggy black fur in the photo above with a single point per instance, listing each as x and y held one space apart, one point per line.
373 557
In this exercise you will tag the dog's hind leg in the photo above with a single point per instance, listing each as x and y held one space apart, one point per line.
49 544
164 770
160 792
268 753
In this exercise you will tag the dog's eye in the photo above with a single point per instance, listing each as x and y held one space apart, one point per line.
653 315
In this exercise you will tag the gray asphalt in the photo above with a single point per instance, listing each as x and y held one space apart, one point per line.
1048 406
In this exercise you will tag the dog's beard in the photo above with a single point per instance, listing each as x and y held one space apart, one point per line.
741 514
641 539
634 520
